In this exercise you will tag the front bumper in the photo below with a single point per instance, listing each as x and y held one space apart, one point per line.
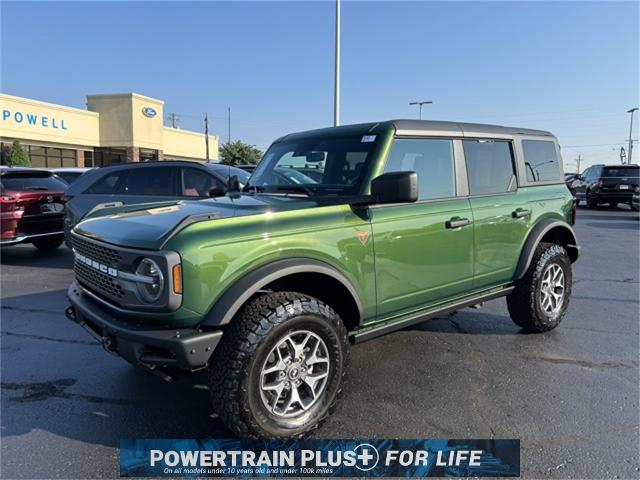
159 350
27 238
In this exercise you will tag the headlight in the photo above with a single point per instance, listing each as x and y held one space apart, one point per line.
152 285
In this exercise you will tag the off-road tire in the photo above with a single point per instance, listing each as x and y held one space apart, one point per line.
234 375
523 303
591 203
46 244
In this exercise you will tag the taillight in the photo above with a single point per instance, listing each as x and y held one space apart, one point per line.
599 184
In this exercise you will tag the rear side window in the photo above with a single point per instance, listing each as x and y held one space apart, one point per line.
431 159
541 161
112 183
154 181
489 166
32 183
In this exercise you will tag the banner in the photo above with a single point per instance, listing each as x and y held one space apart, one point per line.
319 458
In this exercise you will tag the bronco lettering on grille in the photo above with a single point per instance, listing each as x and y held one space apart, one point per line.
101 267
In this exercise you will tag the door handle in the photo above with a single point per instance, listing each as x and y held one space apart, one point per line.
520 213
457 222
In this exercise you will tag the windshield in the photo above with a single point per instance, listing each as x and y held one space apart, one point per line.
320 165
621 172
33 182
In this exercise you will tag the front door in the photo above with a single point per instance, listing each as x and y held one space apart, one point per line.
423 250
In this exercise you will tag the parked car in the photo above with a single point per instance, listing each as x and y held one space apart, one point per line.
569 178
156 181
69 174
32 207
246 168
612 184
265 289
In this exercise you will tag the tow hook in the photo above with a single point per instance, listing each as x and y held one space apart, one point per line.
107 344
70 313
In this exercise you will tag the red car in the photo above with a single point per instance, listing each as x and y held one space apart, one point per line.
31 207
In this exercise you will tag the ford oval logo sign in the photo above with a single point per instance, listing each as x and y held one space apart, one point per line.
149 112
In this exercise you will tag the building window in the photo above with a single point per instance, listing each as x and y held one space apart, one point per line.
108 156
88 158
38 156
147 155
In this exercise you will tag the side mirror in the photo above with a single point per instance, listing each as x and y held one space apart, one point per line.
217 192
233 185
395 187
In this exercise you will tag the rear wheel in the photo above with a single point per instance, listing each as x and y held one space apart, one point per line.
48 243
540 299
280 367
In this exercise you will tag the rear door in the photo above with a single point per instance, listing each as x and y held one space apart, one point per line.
423 250
500 216
126 186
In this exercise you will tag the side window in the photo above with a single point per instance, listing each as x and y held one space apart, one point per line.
541 161
112 183
587 173
196 183
489 166
431 159
152 181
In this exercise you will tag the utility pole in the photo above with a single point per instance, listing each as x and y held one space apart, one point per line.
420 104
578 160
336 80
206 135
630 152
173 118
228 124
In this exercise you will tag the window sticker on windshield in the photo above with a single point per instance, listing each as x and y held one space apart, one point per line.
368 139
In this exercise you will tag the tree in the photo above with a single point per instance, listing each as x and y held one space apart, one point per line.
17 156
239 153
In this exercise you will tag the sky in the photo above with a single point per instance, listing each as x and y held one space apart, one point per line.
568 67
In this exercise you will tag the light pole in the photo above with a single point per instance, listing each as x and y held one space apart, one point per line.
426 102
631 111
336 80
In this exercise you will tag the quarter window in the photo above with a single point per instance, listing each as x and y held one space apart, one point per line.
489 166
431 159
541 161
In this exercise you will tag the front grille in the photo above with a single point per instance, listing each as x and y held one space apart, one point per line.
99 253
102 284
99 282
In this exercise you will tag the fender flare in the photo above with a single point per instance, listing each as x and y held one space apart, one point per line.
243 289
535 236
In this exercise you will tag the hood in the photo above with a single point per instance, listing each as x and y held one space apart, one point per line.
150 225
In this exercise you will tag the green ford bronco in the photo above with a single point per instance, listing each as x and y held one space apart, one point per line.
341 235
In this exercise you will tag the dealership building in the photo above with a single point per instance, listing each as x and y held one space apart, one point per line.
115 128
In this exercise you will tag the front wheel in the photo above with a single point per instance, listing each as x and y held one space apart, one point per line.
540 299
280 367
48 243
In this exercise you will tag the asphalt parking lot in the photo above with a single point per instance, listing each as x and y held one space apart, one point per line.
570 395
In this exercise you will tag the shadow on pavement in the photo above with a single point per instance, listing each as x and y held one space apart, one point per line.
29 256
470 322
